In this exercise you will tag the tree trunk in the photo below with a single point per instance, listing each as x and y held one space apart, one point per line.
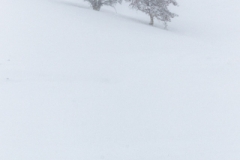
151 19
97 5
96 8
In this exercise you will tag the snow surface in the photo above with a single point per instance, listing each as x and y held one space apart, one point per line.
76 84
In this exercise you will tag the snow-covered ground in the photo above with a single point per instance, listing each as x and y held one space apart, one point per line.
76 84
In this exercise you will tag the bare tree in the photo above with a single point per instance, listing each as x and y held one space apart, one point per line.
97 4
155 9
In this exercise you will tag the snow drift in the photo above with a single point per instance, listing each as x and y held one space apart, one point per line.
80 84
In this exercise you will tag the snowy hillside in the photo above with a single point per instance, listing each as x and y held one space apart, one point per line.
77 84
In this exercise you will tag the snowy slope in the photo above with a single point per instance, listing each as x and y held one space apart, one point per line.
84 85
